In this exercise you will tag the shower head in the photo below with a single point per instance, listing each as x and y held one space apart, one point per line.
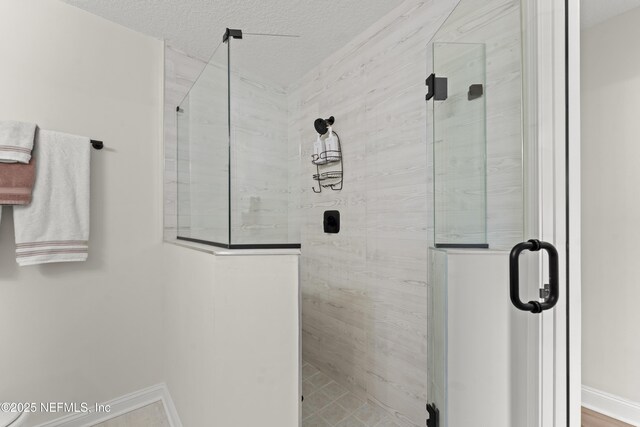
322 125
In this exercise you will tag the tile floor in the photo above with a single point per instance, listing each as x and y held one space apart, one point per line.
152 415
326 404
329 404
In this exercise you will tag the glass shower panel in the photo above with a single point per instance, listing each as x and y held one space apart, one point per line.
477 148
238 170
203 155
264 164
459 148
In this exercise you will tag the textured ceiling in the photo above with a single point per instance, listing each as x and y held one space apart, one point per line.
595 11
196 27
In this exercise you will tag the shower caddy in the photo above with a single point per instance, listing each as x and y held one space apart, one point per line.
331 178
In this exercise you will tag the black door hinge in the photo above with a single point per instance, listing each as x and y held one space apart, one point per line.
437 88
434 415
231 33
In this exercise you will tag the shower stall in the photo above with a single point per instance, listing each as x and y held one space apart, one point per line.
409 303
476 144
237 169
491 358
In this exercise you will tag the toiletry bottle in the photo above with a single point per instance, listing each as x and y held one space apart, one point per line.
319 155
332 147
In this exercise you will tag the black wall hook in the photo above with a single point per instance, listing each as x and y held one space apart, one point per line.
98 145
322 125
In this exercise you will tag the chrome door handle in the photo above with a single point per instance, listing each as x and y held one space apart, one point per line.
551 297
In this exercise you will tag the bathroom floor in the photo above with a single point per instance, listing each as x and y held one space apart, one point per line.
152 415
594 419
329 404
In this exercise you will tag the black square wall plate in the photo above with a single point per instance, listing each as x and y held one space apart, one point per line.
331 221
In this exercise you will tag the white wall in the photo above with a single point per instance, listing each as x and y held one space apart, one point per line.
611 206
85 331
460 327
232 338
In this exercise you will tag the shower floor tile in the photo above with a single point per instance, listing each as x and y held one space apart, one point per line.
329 404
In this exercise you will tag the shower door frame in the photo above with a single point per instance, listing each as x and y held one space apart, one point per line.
551 43
573 215
555 202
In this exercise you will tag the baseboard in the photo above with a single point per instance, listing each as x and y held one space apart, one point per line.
611 406
122 405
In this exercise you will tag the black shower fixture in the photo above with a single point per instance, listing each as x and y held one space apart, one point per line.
233 33
322 125
331 222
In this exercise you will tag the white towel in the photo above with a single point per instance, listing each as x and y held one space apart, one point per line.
55 226
16 141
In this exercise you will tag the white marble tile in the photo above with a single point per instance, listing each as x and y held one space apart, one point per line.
350 402
334 390
336 406
315 420
369 414
351 421
333 413
387 422
319 380
316 401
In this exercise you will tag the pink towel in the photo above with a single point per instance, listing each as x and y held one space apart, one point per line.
16 182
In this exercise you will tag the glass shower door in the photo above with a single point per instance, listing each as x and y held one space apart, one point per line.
495 347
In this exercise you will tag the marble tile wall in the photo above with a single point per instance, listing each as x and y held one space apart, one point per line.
364 294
